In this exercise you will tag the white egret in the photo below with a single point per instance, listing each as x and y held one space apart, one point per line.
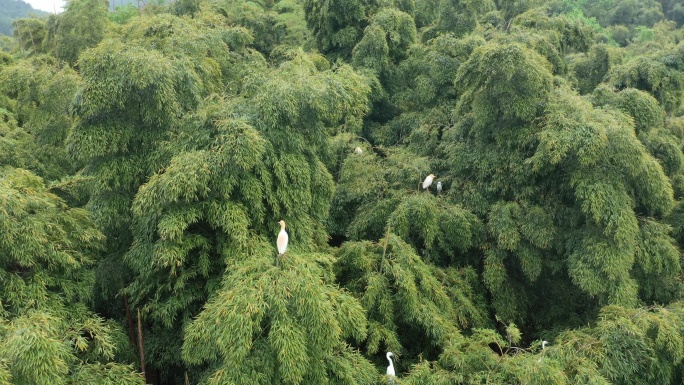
428 181
439 187
542 353
358 150
390 368
282 239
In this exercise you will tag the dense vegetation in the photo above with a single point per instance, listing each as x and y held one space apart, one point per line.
146 159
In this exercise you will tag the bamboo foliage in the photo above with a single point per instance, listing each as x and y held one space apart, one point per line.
42 98
81 26
48 250
397 288
571 145
661 76
132 100
337 25
613 351
236 166
390 198
144 167
210 200
279 324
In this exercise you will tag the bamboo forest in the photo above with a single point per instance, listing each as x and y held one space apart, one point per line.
343 192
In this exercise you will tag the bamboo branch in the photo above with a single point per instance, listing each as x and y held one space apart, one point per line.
384 249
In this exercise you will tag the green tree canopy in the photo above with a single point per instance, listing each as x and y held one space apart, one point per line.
147 155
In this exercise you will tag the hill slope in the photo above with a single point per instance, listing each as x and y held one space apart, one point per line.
15 9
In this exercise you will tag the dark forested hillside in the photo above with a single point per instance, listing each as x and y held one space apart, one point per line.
284 192
15 9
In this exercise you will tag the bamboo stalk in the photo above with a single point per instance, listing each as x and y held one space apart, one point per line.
129 317
140 344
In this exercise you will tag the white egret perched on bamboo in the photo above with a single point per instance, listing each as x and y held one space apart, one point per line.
543 348
390 368
358 150
428 181
282 239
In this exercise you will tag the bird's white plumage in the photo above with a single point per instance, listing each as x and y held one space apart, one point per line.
439 187
358 150
283 238
390 368
428 181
